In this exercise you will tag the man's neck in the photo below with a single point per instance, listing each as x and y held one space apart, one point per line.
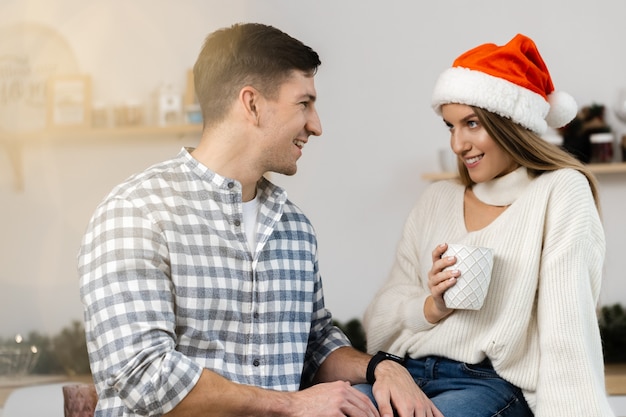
229 160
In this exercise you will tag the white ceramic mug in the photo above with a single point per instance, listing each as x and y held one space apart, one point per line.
475 264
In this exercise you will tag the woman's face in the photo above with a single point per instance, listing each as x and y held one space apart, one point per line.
483 157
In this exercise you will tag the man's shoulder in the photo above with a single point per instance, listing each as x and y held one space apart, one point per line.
152 180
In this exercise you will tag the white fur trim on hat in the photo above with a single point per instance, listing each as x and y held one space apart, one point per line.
494 94
563 109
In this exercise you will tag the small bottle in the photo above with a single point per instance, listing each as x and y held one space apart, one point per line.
601 147
99 115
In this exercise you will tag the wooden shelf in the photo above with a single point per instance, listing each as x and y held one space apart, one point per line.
13 143
102 132
598 169
611 168
615 378
436 176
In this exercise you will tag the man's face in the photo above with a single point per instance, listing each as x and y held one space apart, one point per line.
288 121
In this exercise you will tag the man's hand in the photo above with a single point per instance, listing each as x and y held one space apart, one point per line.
395 387
333 399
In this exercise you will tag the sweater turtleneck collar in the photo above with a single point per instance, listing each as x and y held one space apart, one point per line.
503 191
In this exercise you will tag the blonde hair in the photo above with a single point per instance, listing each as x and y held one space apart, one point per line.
528 149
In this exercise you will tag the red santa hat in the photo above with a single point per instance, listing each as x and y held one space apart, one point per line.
510 80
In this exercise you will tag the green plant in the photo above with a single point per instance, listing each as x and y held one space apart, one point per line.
70 349
353 329
64 353
612 322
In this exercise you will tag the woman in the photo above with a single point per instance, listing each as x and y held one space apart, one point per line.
534 346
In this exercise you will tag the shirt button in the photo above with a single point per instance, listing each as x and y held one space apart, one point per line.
231 185
237 222
256 315
256 362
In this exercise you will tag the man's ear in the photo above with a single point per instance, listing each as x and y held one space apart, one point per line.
250 99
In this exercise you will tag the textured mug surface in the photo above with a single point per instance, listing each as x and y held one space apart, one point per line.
475 264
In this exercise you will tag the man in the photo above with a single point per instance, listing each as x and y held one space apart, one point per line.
200 278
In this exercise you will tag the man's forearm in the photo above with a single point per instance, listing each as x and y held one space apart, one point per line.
344 364
214 395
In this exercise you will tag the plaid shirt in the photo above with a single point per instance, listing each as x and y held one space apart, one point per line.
170 287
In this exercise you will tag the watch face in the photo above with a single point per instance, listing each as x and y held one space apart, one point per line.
394 358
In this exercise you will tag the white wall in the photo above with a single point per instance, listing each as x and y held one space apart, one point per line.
357 182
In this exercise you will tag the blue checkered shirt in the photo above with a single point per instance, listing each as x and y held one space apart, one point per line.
170 287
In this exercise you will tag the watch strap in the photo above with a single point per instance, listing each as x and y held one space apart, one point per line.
376 359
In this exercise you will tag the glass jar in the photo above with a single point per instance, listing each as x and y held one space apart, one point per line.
601 147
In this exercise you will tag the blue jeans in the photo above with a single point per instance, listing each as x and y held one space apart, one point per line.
462 390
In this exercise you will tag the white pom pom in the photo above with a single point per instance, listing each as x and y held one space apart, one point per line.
563 109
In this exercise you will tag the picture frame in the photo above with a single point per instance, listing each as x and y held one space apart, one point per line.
69 101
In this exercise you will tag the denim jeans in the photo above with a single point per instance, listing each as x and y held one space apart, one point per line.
462 390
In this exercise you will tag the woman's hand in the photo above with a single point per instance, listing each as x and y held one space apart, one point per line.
438 282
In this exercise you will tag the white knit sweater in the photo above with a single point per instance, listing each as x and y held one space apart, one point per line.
538 325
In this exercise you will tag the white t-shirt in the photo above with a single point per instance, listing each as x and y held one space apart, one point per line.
250 218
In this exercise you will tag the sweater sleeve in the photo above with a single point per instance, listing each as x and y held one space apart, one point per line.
571 377
398 307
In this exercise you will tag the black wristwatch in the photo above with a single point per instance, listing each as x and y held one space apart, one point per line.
376 359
